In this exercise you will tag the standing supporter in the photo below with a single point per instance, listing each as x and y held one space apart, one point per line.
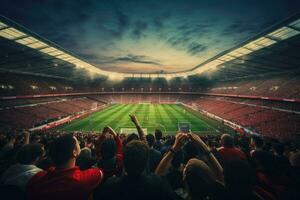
20 173
65 180
202 181
84 160
158 140
228 151
134 184
154 155
109 149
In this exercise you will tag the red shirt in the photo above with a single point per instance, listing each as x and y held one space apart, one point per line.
231 153
64 184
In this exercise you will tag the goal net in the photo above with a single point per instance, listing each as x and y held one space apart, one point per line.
131 130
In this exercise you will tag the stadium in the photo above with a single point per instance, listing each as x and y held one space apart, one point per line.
98 98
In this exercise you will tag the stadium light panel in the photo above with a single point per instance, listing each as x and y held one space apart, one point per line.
37 45
153 75
295 24
284 33
26 41
11 33
63 56
2 25
55 53
253 46
265 42
47 50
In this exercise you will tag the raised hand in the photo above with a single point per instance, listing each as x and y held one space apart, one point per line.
179 141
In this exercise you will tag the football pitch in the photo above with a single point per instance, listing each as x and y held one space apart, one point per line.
151 116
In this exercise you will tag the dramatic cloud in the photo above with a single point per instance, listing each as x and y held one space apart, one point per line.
147 36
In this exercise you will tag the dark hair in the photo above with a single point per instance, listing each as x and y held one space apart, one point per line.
199 179
190 151
158 134
108 148
62 148
278 148
29 153
135 157
131 137
258 141
227 140
150 139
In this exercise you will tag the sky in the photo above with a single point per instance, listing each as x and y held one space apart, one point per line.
147 36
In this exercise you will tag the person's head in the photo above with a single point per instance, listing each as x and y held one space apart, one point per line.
108 149
150 139
238 177
226 140
64 149
131 137
199 179
278 149
170 140
82 143
158 134
30 154
135 157
85 153
190 151
257 141
245 142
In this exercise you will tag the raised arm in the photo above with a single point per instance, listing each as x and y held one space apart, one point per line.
117 139
165 163
99 141
138 127
212 161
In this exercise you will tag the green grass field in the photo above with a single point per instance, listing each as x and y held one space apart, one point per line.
151 116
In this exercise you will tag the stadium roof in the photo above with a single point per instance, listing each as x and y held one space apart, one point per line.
274 50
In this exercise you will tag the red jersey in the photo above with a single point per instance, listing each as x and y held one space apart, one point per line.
231 153
64 184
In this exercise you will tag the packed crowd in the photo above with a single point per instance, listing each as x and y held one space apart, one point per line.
56 165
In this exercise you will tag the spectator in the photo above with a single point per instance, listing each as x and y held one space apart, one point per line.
110 153
201 181
84 160
135 184
154 155
158 140
65 180
228 151
20 173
